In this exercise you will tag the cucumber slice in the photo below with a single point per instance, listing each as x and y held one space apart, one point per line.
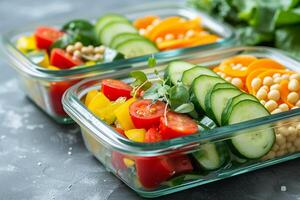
136 47
106 19
118 39
255 142
176 69
202 85
112 29
232 102
223 85
189 76
212 156
217 101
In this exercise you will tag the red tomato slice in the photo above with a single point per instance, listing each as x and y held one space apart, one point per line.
113 89
46 36
120 131
145 113
153 171
153 135
176 125
59 58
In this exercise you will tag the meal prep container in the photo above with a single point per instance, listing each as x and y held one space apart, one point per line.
106 144
45 87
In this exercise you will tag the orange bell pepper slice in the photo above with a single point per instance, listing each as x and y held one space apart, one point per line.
250 77
244 60
173 44
206 39
271 72
164 24
144 22
265 63
177 28
284 92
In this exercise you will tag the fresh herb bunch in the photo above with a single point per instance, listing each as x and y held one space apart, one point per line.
259 22
158 89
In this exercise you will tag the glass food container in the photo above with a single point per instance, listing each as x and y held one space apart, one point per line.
139 165
45 87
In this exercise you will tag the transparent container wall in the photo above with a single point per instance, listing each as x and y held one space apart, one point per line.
140 173
139 165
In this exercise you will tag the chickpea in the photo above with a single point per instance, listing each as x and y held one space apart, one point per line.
100 49
298 103
155 22
228 79
98 56
293 85
85 50
271 155
169 37
275 147
274 95
285 77
243 68
283 107
276 75
265 88
292 149
142 31
289 145
190 33
275 87
91 48
78 45
285 133
295 76
282 147
271 105
149 28
263 102
220 73
159 40
261 94
268 81
77 54
297 143
292 136
280 140
277 110
256 83
295 107
293 97
237 82
298 128
280 153
277 80
70 49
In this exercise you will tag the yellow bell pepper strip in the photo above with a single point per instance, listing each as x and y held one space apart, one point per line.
107 113
26 43
99 102
123 116
89 63
51 67
39 57
136 135
90 95
128 162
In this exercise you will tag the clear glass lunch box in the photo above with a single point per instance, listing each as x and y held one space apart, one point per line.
45 87
107 145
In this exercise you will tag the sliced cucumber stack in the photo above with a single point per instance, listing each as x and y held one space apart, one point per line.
106 19
176 69
202 85
212 156
255 142
216 101
112 29
232 102
123 37
136 47
190 75
223 85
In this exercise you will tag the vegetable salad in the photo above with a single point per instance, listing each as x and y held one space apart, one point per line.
80 43
183 99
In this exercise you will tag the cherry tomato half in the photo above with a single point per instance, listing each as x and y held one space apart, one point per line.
145 113
177 125
56 92
113 89
153 135
46 36
59 58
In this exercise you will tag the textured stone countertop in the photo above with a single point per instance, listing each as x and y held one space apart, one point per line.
41 160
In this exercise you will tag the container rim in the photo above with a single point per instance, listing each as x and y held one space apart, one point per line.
103 132
24 64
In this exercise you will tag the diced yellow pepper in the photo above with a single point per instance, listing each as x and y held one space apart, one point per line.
128 162
136 135
52 67
26 43
45 62
107 113
99 102
89 63
90 95
123 117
